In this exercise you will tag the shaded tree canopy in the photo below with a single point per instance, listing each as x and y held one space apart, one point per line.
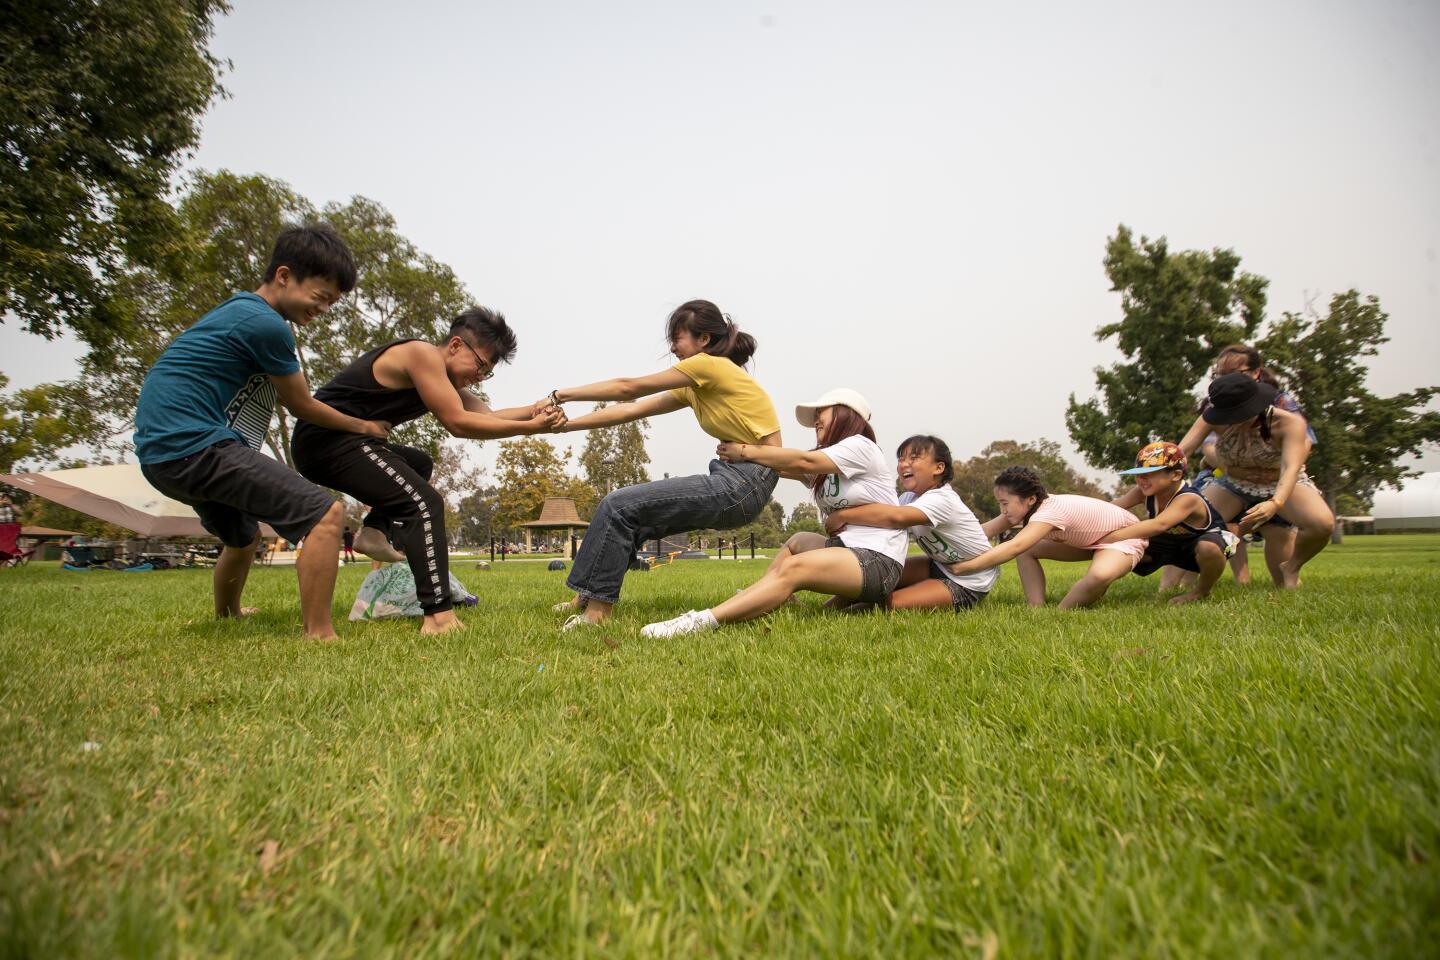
1179 309
99 103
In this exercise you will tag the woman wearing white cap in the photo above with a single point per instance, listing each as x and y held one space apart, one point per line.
707 377
846 468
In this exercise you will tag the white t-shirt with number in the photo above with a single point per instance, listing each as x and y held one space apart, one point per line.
952 535
865 476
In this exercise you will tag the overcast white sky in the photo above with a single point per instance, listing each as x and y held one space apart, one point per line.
911 199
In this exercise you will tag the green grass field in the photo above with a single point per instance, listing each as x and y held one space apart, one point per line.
1254 776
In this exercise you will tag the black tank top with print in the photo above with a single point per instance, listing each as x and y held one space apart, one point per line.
356 392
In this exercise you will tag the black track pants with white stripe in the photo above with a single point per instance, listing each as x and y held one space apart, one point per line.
394 481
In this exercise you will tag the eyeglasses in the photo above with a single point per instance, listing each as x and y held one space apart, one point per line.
487 369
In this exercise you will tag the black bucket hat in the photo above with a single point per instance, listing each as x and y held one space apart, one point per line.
1237 397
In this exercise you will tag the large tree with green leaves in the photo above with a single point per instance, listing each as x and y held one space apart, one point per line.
228 226
615 457
99 103
38 423
1178 309
1360 437
528 470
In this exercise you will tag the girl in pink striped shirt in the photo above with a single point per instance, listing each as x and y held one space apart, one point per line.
1057 527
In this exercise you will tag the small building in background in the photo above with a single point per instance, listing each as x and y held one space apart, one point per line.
1414 505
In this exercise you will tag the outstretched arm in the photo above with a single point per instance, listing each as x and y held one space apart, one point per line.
294 392
995 526
1032 534
476 405
875 515
1177 512
624 413
781 459
624 388
427 372
1130 498
1195 436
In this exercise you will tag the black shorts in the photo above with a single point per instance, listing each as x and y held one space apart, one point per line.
961 598
234 489
1161 552
878 573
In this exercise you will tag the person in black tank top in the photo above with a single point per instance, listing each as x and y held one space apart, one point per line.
401 381
1183 530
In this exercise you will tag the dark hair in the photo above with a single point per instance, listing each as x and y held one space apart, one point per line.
937 448
844 423
1023 482
1244 351
703 317
314 250
482 326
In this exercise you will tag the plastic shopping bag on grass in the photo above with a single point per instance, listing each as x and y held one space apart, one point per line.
390 592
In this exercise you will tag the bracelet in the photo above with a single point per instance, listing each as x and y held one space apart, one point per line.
555 397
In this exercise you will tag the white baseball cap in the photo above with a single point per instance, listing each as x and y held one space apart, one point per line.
841 396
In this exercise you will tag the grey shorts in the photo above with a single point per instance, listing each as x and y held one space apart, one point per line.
878 573
233 489
961 598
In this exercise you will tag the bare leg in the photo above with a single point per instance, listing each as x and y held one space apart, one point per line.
1107 567
231 571
373 544
1211 560
1240 563
1314 522
1032 575
597 611
317 574
1279 546
830 570
1172 577
926 594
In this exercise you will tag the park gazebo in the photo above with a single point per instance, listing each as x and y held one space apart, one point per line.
557 513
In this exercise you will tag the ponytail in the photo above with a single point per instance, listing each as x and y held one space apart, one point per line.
701 317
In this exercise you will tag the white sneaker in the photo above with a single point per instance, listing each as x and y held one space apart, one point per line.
691 621
577 622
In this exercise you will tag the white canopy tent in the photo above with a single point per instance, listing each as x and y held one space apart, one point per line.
117 494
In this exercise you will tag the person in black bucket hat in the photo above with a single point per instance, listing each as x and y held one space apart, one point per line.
1237 397
1262 450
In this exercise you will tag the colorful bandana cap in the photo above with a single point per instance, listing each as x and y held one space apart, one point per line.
1162 455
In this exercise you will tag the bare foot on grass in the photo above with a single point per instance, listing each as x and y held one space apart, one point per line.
439 623
1290 575
1190 597
373 544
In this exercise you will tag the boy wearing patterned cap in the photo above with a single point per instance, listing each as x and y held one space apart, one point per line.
1183 529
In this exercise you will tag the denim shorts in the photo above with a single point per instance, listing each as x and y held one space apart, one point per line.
1250 494
879 574
961 598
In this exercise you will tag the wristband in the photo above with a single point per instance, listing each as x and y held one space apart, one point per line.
555 397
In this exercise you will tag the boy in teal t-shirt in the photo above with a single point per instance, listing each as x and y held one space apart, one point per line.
207 404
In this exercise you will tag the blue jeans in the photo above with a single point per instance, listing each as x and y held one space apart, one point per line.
732 495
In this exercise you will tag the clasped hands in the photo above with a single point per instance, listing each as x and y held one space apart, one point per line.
551 414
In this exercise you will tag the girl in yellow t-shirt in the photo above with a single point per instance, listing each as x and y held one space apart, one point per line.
730 406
